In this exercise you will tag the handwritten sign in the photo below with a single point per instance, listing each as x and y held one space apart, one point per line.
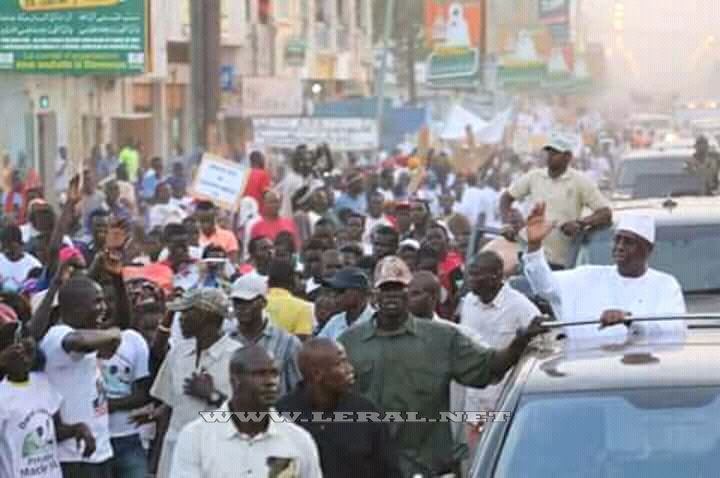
79 37
341 134
220 181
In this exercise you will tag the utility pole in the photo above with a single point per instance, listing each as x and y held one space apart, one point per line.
412 84
205 67
389 10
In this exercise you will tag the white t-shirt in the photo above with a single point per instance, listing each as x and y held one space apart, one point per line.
128 365
28 444
78 379
476 201
13 274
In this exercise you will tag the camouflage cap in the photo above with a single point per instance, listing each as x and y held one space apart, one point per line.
207 299
392 269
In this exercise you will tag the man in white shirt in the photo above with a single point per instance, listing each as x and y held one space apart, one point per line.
233 447
30 412
193 377
127 381
375 217
71 349
494 311
14 263
611 294
478 205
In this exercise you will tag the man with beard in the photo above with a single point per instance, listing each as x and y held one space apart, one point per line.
357 449
235 447
567 193
405 364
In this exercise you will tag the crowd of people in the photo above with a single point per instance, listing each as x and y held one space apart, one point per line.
133 307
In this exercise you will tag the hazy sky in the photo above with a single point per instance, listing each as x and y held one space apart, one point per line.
666 38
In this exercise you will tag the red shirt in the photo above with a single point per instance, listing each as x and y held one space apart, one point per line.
447 275
258 182
270 228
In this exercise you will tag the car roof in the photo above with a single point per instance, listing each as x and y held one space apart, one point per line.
690 363
652 154
680 210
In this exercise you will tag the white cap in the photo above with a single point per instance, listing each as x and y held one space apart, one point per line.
249 287
643 226
562 142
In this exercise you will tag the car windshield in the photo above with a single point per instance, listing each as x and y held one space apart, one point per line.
631 169
690 253
628 433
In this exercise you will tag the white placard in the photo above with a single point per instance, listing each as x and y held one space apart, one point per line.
341 134
220 181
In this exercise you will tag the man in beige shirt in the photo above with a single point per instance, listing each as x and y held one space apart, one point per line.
566 192
194 375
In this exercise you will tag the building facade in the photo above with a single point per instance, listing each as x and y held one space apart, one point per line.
323 44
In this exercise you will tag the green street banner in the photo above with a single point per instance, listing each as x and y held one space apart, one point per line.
73 37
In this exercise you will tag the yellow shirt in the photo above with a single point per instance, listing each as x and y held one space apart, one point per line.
565 197
289 313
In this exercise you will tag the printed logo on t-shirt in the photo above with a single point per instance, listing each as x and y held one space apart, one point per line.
117 375
39 454
282 467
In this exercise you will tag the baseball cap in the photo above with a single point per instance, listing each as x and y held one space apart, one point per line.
206 299
561 142
643 226
349 278
392 269
249 286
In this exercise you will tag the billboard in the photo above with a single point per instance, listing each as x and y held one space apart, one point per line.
455 30
73 37
454 23
341 134
556 15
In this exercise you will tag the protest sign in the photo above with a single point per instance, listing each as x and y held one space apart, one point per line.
220 181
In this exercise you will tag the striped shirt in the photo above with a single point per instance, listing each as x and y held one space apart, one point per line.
284 349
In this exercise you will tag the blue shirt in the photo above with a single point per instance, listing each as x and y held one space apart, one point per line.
357 204
338 323
149 183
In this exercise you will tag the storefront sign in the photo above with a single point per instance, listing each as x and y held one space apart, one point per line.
76 37
341 134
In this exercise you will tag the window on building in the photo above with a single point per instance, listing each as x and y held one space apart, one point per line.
248 11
